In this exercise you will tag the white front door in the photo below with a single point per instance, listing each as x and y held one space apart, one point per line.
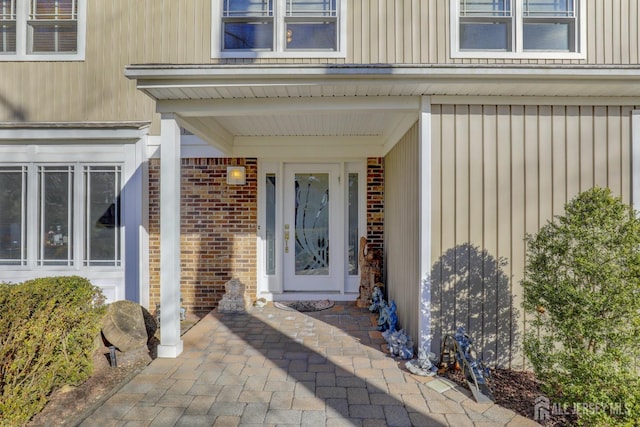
313 246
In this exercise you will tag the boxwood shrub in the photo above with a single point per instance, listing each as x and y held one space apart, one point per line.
48 331
582 296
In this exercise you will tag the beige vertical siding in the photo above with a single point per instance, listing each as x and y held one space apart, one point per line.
500 172
401 231
122 32
418 31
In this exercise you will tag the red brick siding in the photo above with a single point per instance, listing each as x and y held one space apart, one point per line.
218 228
218 231
375 202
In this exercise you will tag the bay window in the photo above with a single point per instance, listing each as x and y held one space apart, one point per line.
76 215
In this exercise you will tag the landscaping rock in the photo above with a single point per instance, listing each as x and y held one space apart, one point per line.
125 325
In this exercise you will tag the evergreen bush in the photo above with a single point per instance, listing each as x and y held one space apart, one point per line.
48 331
581 290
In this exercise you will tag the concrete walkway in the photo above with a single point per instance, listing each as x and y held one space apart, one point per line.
273 367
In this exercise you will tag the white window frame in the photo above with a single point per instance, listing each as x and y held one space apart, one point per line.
278 51
79 236
22 29
103 144
517 51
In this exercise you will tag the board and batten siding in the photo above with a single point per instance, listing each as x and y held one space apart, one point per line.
418 32
500 172
401 231
122 32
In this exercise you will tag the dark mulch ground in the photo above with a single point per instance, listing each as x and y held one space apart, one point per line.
515 390
69 405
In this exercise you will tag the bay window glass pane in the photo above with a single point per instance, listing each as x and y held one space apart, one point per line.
311 7
270 224
55 215
102 215
248 8
311 35
13 195
485 7
353 239
7 26
485 36
248 35
547 36
559 8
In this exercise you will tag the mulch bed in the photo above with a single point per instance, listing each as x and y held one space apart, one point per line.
515 390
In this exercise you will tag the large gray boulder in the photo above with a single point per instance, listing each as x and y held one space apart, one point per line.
126 325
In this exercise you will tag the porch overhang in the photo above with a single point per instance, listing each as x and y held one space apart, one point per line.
355 110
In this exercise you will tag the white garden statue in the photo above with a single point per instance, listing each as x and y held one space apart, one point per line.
234 300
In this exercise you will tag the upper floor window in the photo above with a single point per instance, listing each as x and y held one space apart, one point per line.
36 30
269 28
518 28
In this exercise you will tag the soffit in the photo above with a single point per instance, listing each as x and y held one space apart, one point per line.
223 103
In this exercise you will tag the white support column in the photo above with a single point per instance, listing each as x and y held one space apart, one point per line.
170 342
424 155
635 159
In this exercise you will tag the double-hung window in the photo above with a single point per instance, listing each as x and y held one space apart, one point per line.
35 30
518 28
270 28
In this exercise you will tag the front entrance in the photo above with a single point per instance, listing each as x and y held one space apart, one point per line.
311 218
312 224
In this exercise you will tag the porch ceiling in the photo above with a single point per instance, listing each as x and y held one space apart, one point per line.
251 110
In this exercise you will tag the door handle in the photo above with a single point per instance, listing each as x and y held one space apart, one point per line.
286 238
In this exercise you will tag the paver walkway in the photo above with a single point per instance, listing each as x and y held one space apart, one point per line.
276 367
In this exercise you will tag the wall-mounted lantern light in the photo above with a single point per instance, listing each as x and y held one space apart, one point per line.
236 175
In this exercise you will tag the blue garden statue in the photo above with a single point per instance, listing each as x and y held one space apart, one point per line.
377 299
384 316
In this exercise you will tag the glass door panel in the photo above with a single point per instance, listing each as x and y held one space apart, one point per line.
312 228
312 223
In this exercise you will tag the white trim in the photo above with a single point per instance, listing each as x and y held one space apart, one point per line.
635 159
425 224
272 287
308 147
267 283
352 283
518 52
278 52
534 100
170 343
22 12
270 106
49 133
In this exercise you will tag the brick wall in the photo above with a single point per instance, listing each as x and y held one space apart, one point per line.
218 228
375 202
218 231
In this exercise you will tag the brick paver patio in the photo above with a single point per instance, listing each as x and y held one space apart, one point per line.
272 367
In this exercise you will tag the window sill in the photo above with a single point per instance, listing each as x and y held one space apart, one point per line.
279 55
517 55
12 57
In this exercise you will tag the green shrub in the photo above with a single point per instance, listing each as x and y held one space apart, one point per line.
48 330
582 290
